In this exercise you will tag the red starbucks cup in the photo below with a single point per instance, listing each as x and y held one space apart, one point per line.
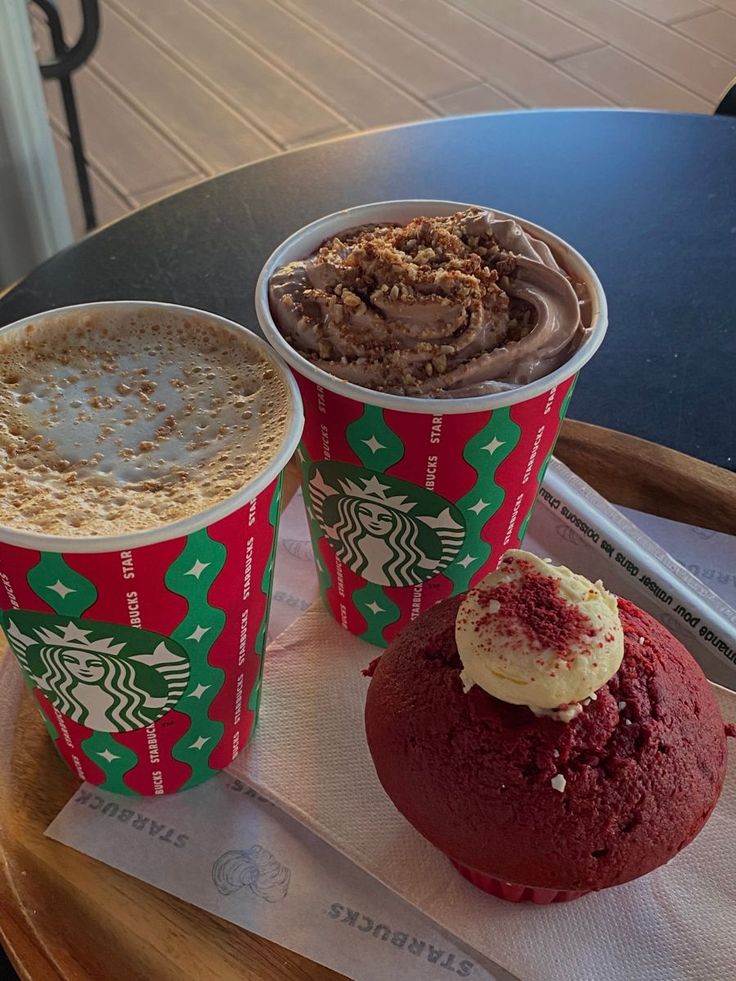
410 499
145 650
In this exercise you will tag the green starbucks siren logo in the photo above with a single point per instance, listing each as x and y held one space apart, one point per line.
105 676
387 530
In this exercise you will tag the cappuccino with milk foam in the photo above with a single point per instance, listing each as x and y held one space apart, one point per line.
122 419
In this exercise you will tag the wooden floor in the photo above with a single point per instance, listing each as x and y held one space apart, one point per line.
178 90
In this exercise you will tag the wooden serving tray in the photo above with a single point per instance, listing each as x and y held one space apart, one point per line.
67 917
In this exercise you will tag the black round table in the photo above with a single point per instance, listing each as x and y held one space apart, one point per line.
649 198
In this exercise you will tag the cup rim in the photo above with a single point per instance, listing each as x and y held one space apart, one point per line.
181 527
295 246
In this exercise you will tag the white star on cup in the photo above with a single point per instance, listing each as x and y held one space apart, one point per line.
200 742
197 569
198 633
61 589
493 445
373 444
199 691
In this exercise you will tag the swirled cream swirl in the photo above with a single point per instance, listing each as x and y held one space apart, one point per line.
460 305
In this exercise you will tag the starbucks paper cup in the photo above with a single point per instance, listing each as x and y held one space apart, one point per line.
411 500
145 651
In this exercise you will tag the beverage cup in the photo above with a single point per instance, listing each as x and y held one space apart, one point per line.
411 499
144 650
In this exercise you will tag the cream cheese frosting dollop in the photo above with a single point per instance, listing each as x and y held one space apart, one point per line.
536 634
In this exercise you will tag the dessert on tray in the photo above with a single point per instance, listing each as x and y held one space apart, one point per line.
550 739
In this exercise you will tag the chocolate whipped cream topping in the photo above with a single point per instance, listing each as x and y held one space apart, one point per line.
466 304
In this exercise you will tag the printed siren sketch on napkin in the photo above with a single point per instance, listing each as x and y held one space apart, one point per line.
255 868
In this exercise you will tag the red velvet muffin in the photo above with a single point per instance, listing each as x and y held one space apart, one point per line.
542 803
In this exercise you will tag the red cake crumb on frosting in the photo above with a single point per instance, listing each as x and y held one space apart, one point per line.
536 604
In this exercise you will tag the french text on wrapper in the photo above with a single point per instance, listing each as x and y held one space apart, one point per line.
693 621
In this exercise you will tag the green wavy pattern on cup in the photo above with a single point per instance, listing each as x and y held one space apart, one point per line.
543 469
56 583
112 758
315 532
378 448
274 511
50 727
374 443
379 612
71 595
484 452
191 575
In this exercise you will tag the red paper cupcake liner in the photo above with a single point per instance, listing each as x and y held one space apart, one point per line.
514 893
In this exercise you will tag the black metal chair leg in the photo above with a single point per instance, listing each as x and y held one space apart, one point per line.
67 60
727 104
80 161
